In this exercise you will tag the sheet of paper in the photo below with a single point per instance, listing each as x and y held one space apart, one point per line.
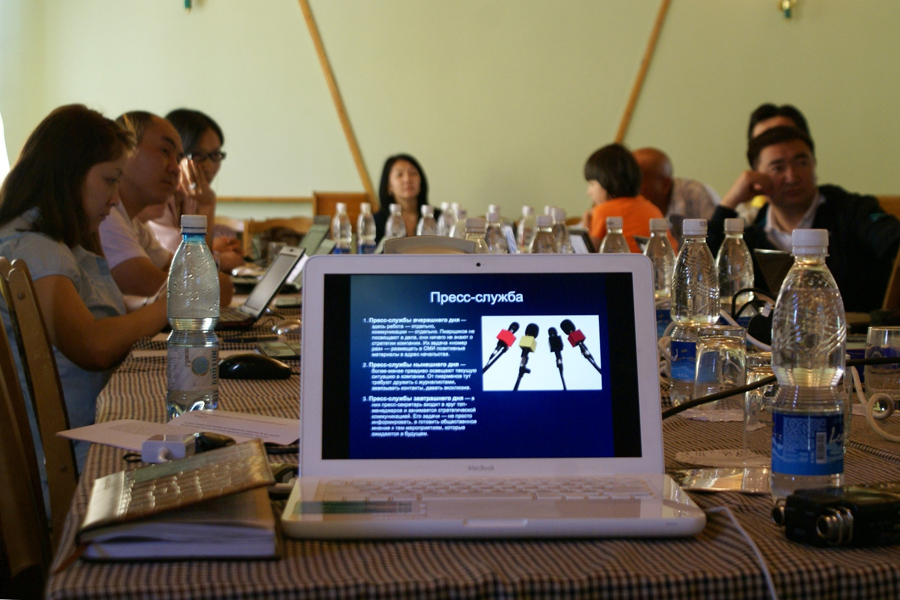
127 433
276 430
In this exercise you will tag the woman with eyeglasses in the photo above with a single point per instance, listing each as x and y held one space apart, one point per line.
202 139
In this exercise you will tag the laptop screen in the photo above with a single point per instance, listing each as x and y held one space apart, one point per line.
432 366
272 281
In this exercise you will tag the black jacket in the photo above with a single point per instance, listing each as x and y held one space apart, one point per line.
862 244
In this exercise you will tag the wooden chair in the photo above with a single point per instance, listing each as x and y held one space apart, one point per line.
325 203
890 205
24 531
252 228
44 386
429 244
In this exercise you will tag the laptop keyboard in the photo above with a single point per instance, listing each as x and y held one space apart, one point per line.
229 314
576 488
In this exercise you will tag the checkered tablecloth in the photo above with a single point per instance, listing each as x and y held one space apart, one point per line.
717 563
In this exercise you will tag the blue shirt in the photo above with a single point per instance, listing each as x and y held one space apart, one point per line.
93 281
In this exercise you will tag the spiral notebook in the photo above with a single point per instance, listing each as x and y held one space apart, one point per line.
482 396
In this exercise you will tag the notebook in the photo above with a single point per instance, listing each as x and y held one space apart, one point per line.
433 403
252 309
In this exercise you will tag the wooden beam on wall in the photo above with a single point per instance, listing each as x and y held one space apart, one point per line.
642 72
338 102
279 199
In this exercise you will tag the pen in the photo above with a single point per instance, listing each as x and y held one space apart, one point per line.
254 339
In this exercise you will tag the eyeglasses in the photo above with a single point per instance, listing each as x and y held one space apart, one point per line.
199 157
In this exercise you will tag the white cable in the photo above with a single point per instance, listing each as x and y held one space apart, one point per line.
753 546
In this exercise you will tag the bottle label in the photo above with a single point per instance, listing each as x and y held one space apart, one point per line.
366 248
807 444
192 369
339 250
684 359
663 318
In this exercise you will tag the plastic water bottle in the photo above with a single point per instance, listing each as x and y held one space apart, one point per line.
526 229
543 241
447 219
614 241
459 228
809 338
493 235
695 301
365 230
734 265
341 230
662 256
475 232
395 227
192 367
561 231
506 230
427 225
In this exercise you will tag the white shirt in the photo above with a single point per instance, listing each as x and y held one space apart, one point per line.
780 238
124 238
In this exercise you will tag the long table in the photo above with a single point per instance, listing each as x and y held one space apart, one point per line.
717 563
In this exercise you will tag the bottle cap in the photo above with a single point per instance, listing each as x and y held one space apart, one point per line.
444 206
365 207
694 227
396 209
461 213
194 223
493 208
527 211
548 210
493 216
809 241
340 207
475 224
427 210
544 221
559 214
614 222
734 225
658 225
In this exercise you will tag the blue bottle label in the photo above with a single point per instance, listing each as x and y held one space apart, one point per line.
663 318
807 444
684 359
339 250
366 248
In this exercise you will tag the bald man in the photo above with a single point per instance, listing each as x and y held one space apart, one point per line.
678 198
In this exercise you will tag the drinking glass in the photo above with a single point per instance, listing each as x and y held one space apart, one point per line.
883 342
721 365
757 438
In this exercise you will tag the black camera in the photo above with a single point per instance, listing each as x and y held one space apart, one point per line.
842 516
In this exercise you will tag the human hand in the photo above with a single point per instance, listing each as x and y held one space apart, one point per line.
586 219
193 190
747 186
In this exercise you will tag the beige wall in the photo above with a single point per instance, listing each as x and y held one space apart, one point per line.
501 100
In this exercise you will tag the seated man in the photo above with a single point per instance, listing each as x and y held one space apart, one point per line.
863 240
138 263
677 197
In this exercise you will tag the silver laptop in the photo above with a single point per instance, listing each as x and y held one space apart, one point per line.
252 309
482 396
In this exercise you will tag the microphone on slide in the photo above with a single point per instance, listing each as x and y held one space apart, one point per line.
505 340
528 344
576 338
556 346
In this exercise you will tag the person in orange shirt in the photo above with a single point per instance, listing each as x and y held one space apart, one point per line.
614 181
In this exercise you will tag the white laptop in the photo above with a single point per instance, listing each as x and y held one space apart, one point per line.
405 434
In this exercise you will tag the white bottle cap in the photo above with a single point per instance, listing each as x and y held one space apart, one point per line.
365 207
658 225
455 206
444 206
493 208
559 214
493 216
427 210
475 224
735 225
544 221
195 223
548 210
461 213
396 209
340 207
809 241
614 222
527 211
694 227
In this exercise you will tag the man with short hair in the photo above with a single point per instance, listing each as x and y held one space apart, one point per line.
677 198
863 240
138 262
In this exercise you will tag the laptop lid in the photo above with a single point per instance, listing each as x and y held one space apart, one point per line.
271 282
403 372
314 237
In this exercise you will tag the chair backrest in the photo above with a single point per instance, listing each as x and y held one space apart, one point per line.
325 203
252 227
429 244
24 530
44 386
890 205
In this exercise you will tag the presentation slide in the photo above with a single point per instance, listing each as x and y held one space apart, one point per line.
475 366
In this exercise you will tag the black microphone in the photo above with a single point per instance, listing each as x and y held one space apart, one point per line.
528 344
505 340
576 338
556 346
